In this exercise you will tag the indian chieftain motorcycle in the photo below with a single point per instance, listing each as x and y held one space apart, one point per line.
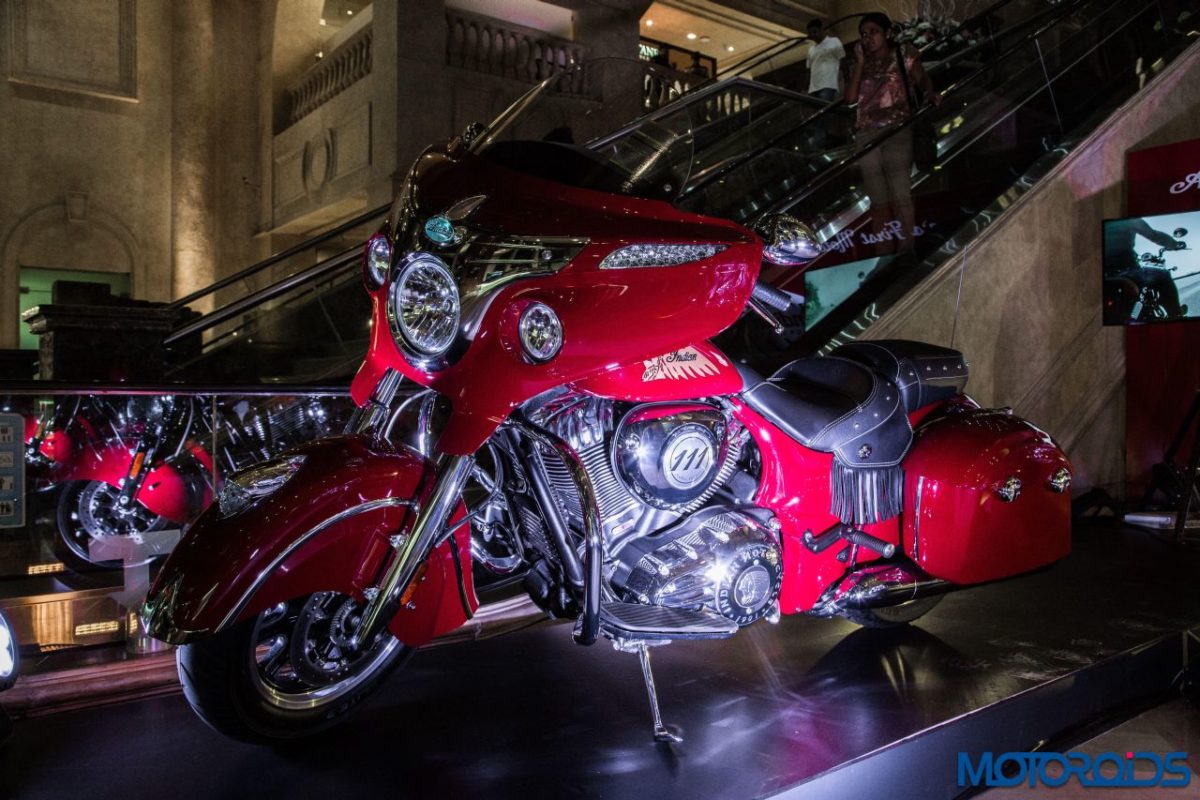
577 428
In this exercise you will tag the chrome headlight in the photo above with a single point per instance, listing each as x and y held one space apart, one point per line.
541 332
8 655
248 487
423 305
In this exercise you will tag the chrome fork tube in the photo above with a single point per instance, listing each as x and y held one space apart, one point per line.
452 475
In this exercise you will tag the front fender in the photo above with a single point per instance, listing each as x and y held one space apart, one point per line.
326 529
164 490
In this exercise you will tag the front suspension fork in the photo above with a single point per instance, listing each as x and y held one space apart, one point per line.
429 528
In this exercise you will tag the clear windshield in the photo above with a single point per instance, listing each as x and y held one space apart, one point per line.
636 128
576 128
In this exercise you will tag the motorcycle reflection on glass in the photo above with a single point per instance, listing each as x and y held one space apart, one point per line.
575 428
117 470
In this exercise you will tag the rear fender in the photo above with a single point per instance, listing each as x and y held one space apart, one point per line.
326 529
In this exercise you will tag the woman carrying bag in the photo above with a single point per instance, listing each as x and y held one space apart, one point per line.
884 83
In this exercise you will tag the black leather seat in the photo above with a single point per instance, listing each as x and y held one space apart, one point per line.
924 373
836 405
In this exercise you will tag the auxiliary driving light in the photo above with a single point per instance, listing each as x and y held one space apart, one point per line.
541 332
376 260
8 654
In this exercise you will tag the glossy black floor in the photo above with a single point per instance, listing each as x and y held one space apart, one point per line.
532 715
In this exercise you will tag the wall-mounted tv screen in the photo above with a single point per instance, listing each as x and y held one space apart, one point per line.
1151 271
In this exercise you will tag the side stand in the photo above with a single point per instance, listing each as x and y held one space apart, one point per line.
661 734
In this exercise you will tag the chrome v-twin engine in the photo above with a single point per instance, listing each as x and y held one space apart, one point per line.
655 469
722 559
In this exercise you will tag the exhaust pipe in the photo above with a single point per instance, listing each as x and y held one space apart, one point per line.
884 585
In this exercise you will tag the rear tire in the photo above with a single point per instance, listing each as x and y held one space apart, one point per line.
892 616
286 674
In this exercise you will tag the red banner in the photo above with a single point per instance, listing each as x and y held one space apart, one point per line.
1162 362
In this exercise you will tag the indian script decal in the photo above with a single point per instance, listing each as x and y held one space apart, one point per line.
680 365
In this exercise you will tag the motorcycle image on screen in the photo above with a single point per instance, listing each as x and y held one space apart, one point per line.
1149 293
540 401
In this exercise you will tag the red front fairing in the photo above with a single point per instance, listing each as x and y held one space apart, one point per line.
611 318
218 561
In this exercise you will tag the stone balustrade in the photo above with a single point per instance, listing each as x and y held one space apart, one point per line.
495 47
662 85
336 72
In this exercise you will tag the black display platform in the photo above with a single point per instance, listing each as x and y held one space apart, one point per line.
806 708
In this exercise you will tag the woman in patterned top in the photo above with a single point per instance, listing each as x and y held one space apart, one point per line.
883 102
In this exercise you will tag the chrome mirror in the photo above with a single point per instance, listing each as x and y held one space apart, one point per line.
470 134
787 241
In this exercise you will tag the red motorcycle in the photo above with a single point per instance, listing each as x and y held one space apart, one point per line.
116 471
578 429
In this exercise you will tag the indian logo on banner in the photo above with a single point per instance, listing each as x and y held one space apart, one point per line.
1189 182
679 365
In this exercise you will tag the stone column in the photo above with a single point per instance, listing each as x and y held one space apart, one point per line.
610 29
193 100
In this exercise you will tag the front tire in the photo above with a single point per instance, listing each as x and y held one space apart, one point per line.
892 616
288 672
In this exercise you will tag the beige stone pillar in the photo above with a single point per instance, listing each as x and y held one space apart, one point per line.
192 194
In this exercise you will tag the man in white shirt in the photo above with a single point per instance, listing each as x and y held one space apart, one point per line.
824 62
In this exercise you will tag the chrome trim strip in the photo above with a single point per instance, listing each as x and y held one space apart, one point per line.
361 508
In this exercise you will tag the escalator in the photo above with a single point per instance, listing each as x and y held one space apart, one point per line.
298 318
1015 101
1014 105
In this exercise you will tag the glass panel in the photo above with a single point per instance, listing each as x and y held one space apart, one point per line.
104 485
313 333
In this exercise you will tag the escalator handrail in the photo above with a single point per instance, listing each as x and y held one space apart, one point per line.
714 87
329 266
308 244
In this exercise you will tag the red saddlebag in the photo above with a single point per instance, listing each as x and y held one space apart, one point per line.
980 502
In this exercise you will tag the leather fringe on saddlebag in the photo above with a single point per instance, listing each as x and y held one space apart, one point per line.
862 495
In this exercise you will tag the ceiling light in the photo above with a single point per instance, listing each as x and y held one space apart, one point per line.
729 48
705 38
691 36
349 12
649 23
323 21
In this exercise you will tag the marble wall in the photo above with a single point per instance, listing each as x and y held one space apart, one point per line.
1028 318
